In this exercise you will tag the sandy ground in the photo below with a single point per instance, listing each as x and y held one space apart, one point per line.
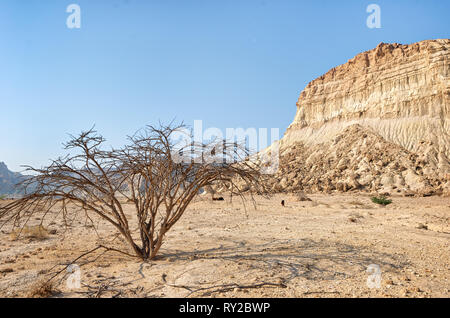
318 248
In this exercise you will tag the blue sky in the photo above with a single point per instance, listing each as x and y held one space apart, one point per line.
238 63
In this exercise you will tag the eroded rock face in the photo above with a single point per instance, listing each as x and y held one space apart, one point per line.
380 122
358 159
400 91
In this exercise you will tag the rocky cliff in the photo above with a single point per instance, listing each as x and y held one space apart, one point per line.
381 121
401 91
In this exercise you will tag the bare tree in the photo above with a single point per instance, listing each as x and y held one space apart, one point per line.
152 172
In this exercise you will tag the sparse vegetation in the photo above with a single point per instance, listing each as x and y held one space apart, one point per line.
302 197
381 200
37 232
148 172
42 289
2 197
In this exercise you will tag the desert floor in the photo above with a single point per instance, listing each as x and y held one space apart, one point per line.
318 248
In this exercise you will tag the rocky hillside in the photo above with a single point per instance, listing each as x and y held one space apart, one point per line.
359 159
8 180
380 122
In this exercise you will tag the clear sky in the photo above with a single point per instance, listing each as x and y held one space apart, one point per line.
234 63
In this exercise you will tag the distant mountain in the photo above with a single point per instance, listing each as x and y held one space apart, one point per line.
9 181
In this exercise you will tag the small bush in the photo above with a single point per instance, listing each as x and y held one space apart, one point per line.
300 197
37 232
381 200
42 290
2 197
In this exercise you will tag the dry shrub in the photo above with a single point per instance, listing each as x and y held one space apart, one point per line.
301 197
37 232
42 289
151 172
